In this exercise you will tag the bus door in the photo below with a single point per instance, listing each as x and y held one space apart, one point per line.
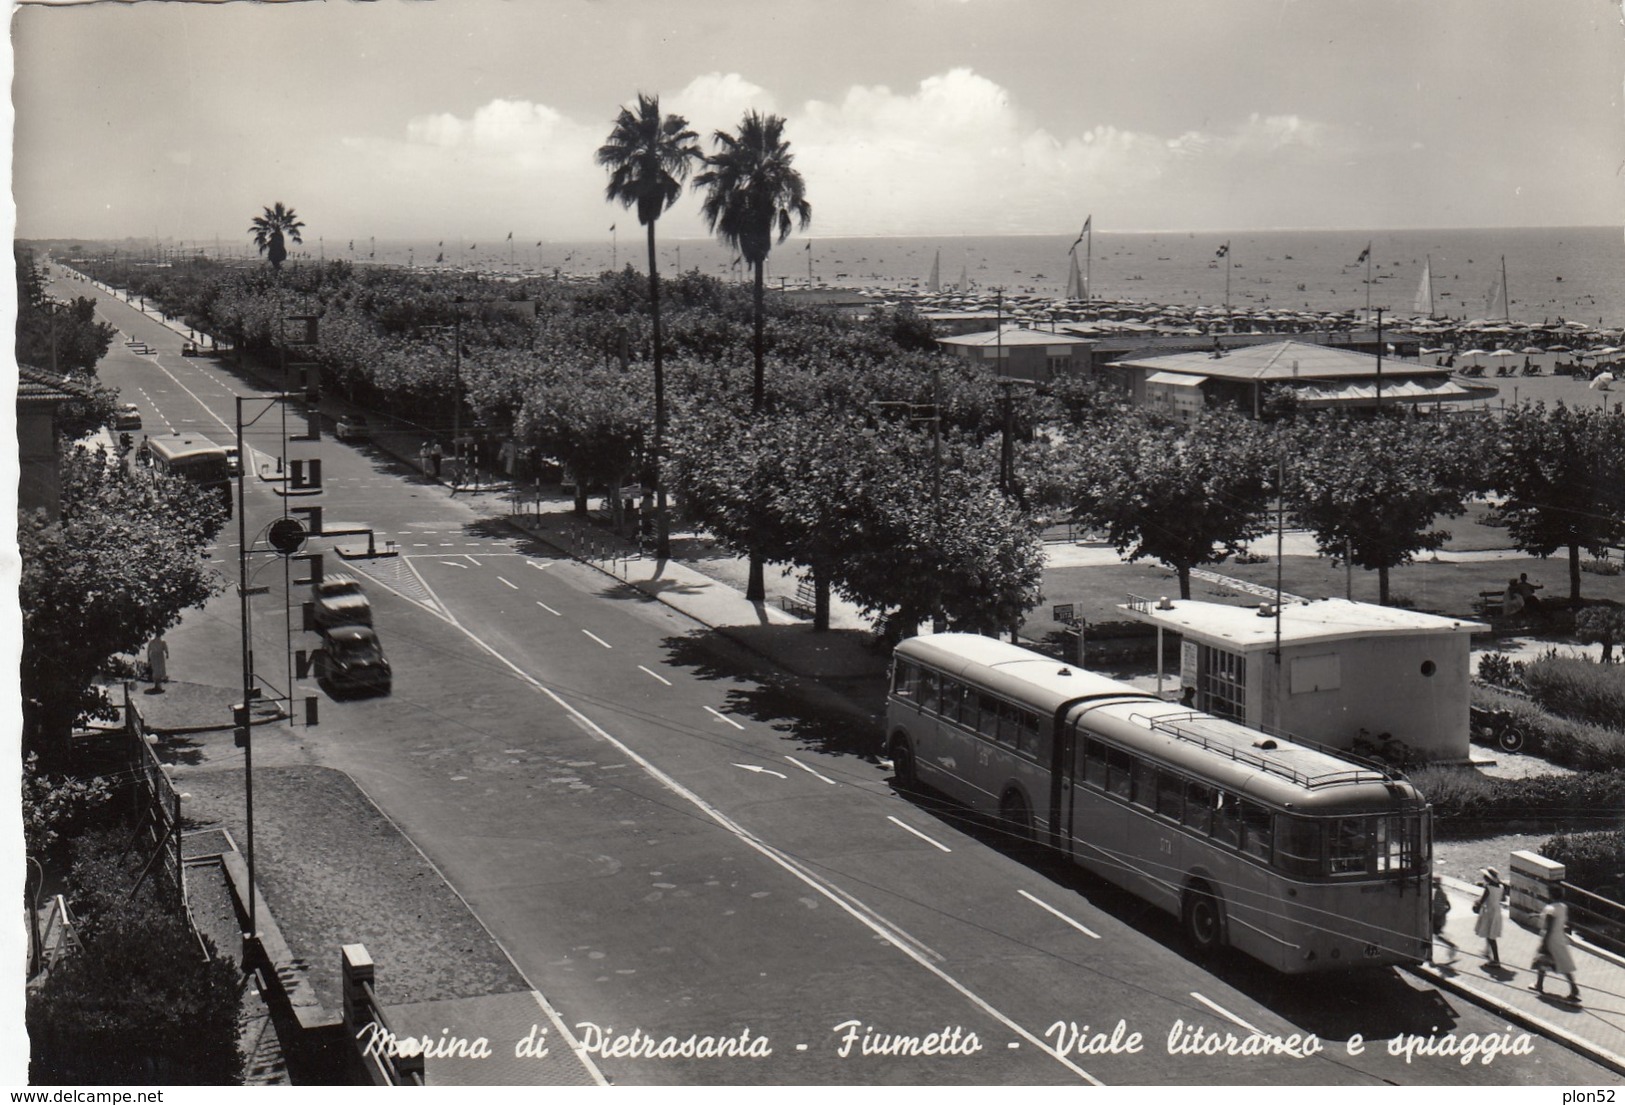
1064 768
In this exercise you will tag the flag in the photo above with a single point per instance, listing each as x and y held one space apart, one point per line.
612 228
352 243
1082 233
474 247
510 235
1364 253
439 258
440 245
1223 250
735 265
808 246
538 245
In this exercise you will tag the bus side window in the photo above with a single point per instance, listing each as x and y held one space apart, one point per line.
969 713
928 690
988 724
1094 763
1010 725
1145 785
1199 807
1170 795
1255 828
1035 736
1227 820
1119 767
1298 845
953 694
905 679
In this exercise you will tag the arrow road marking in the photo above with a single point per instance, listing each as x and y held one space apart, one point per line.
809 770
1045 905
916 832
726 718
760 770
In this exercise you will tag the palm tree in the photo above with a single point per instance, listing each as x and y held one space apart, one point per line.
753 190
648 158
269 230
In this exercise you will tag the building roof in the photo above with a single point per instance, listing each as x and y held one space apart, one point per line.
36 385
1014 336
1245 629
1284 361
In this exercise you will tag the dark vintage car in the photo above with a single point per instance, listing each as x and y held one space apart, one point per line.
127 417
339 600
352 427
352 659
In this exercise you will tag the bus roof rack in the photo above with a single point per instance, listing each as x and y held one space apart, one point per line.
1221 736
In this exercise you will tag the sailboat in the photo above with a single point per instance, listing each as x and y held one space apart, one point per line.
935 283
1424 291
1497 295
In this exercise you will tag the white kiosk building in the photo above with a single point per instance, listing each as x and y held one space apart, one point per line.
1325 670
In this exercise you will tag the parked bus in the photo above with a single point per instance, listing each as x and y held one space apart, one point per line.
1301 858
196 458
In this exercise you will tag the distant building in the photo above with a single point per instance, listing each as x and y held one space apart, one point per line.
39 478
1016 352
1344 667
1322 376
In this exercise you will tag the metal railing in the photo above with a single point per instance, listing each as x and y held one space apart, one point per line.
1600 920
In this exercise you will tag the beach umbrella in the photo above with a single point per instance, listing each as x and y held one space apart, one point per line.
1471 353
1601 381
1502 353
1531 350
1557 349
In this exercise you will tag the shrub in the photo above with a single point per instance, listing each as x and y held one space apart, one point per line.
1600 624
141 1002
1600 567
1500 669
1577 688
1568 743
1595 861
1466 803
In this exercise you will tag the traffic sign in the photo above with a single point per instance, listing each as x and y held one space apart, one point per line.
1063 613
286 536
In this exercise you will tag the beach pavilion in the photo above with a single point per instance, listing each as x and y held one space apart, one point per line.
1020 353
1323 377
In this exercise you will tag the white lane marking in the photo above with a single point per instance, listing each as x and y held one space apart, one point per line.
809 770
515 586
1225 1013
420 544
726 718
447 544
454 564
854 907
538 567
548 608
1040 903
575 1045
597 638
762 770
470 559
657 675
916 832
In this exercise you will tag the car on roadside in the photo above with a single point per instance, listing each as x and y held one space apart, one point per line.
234 461
190 349
127 417
352 427
339 600
352 659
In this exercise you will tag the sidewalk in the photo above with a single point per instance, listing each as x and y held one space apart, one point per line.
1595 1028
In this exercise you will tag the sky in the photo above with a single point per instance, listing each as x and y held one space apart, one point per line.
471 119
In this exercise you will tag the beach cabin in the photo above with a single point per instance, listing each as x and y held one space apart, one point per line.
1325 670
1018 353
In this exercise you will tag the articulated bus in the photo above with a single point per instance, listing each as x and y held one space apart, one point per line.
1305 860
196 458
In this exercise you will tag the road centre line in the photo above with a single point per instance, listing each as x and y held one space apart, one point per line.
515 586
1225 1013
548 608
809 770
657 675
726 718
912 829
597 638
1045 905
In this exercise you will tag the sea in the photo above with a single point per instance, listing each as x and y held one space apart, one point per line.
1573 273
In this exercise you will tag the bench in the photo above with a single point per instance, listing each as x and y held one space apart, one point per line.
805 604
1490 604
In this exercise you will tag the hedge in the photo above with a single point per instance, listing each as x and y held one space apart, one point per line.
1466 803
1595 861
1578 689
1576 744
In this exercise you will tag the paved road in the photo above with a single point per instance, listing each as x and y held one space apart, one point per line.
665 842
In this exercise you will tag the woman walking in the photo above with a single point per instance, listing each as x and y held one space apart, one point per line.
1555 953
1488 908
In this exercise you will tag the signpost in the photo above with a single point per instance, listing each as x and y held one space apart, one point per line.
1065 613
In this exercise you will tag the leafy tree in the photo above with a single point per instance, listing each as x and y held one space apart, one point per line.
592 418
65 337
272 231
1559 470
753 191
114 571
1603 625
143 1002
648 158
55 807
1184 495
1371 488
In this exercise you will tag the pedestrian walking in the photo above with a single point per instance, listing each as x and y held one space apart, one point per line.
423 458
158 662
435 456
1441 910
1555 953
1488 908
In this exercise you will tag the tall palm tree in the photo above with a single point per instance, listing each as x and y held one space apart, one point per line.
753 191
270 230
648 158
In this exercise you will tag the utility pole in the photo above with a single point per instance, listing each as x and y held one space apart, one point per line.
1379 358
939 621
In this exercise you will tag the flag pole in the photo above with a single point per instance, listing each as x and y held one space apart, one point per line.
1506 292
1088 259
809 263
1368 283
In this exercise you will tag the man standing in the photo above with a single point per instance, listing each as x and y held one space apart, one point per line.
158 662
435 454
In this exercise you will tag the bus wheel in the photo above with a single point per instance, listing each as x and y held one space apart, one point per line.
902 759
1015 818
1203 920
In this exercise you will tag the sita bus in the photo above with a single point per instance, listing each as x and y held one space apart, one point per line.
195 458
1303 859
